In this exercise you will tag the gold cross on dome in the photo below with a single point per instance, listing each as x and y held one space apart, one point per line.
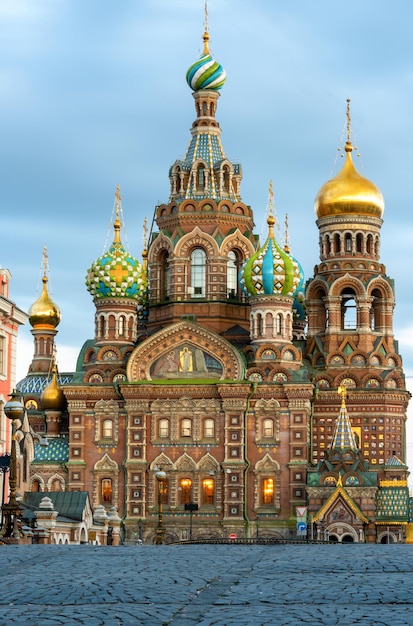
119 273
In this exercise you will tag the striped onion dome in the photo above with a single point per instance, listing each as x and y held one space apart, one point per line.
206 73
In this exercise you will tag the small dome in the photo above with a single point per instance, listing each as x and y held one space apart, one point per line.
44 312
52 397
271 270
206 73
349 193
116 274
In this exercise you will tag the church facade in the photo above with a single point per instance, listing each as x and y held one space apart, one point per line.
222 394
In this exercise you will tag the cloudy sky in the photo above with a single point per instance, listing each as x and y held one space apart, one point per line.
93 94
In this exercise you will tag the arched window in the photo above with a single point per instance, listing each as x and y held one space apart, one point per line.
107 429
208 491
36 486
337 244
106 493
268 428
200 178
226 178
278 324
348 242
121 325
186 428
163 430
185 490
232 274
198 273
267 493
209 428
102 326
348 310
56 485
260 324
165 282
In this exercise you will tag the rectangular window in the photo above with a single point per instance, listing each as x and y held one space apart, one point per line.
3 361
267 490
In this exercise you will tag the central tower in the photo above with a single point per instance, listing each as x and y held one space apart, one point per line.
205 231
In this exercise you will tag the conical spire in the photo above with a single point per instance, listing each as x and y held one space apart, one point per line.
343 435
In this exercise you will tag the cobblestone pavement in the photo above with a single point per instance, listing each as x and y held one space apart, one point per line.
207 585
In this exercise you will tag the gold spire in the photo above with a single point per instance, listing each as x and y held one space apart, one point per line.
342 391
205 36
117 223
348 147
145 244
271 218
286 237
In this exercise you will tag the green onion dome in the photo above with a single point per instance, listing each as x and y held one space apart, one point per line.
271 270
206 73
116 274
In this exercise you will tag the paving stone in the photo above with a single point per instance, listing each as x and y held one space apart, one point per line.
203 585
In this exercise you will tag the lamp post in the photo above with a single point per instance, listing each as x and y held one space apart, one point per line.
13 410
160 530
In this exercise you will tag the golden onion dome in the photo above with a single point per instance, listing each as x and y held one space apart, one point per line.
44 312
349 193
52 398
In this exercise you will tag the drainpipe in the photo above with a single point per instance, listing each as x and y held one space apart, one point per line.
125 510
248 464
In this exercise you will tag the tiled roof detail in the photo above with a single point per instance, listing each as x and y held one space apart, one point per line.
56 450
393 504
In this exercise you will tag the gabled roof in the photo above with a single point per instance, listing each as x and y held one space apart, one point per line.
337 493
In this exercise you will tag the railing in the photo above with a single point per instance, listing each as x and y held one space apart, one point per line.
252 541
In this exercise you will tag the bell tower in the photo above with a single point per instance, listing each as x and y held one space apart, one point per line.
350 303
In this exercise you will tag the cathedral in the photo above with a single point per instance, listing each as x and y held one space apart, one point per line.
224 394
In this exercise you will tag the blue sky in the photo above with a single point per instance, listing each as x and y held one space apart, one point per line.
93 94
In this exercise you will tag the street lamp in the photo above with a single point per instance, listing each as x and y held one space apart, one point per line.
13 410
160 530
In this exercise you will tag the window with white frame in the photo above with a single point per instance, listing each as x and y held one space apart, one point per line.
198 273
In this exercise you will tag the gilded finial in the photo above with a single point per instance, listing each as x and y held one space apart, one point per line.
342 391
117 223
348 147
45 264
145 233
206 33
145 244
286 237
271 219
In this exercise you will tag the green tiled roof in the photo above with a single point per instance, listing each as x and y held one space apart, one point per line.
69 504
